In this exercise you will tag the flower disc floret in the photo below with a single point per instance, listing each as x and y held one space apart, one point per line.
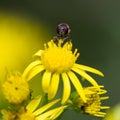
57 58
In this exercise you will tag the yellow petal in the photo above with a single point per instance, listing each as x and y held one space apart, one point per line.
89 69
66 88
34 104
53 86
100 114
105 107
56 114
46 115
77 85
30 67
51 44
67 46
46 81
45 107
86 76
38 53
102 91
104 98
37 69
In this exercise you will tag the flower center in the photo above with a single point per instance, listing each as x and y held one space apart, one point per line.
58 58
15 89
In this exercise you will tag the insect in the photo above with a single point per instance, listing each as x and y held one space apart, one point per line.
63 32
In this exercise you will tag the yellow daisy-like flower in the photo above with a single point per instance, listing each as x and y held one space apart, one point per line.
58 60
15 89
94 101
32 112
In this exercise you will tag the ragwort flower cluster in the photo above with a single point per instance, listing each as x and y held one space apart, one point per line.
20 104
56 62
32 111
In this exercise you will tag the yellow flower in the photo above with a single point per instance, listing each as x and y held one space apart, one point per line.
15 89
32 112
58 60
94 101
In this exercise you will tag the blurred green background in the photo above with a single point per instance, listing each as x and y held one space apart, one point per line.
95 26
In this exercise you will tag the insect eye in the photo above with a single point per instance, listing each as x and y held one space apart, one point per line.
62 29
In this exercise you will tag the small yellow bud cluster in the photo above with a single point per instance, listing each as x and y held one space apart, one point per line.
15 88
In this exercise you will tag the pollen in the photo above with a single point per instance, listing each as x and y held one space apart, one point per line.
15 89
58 58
